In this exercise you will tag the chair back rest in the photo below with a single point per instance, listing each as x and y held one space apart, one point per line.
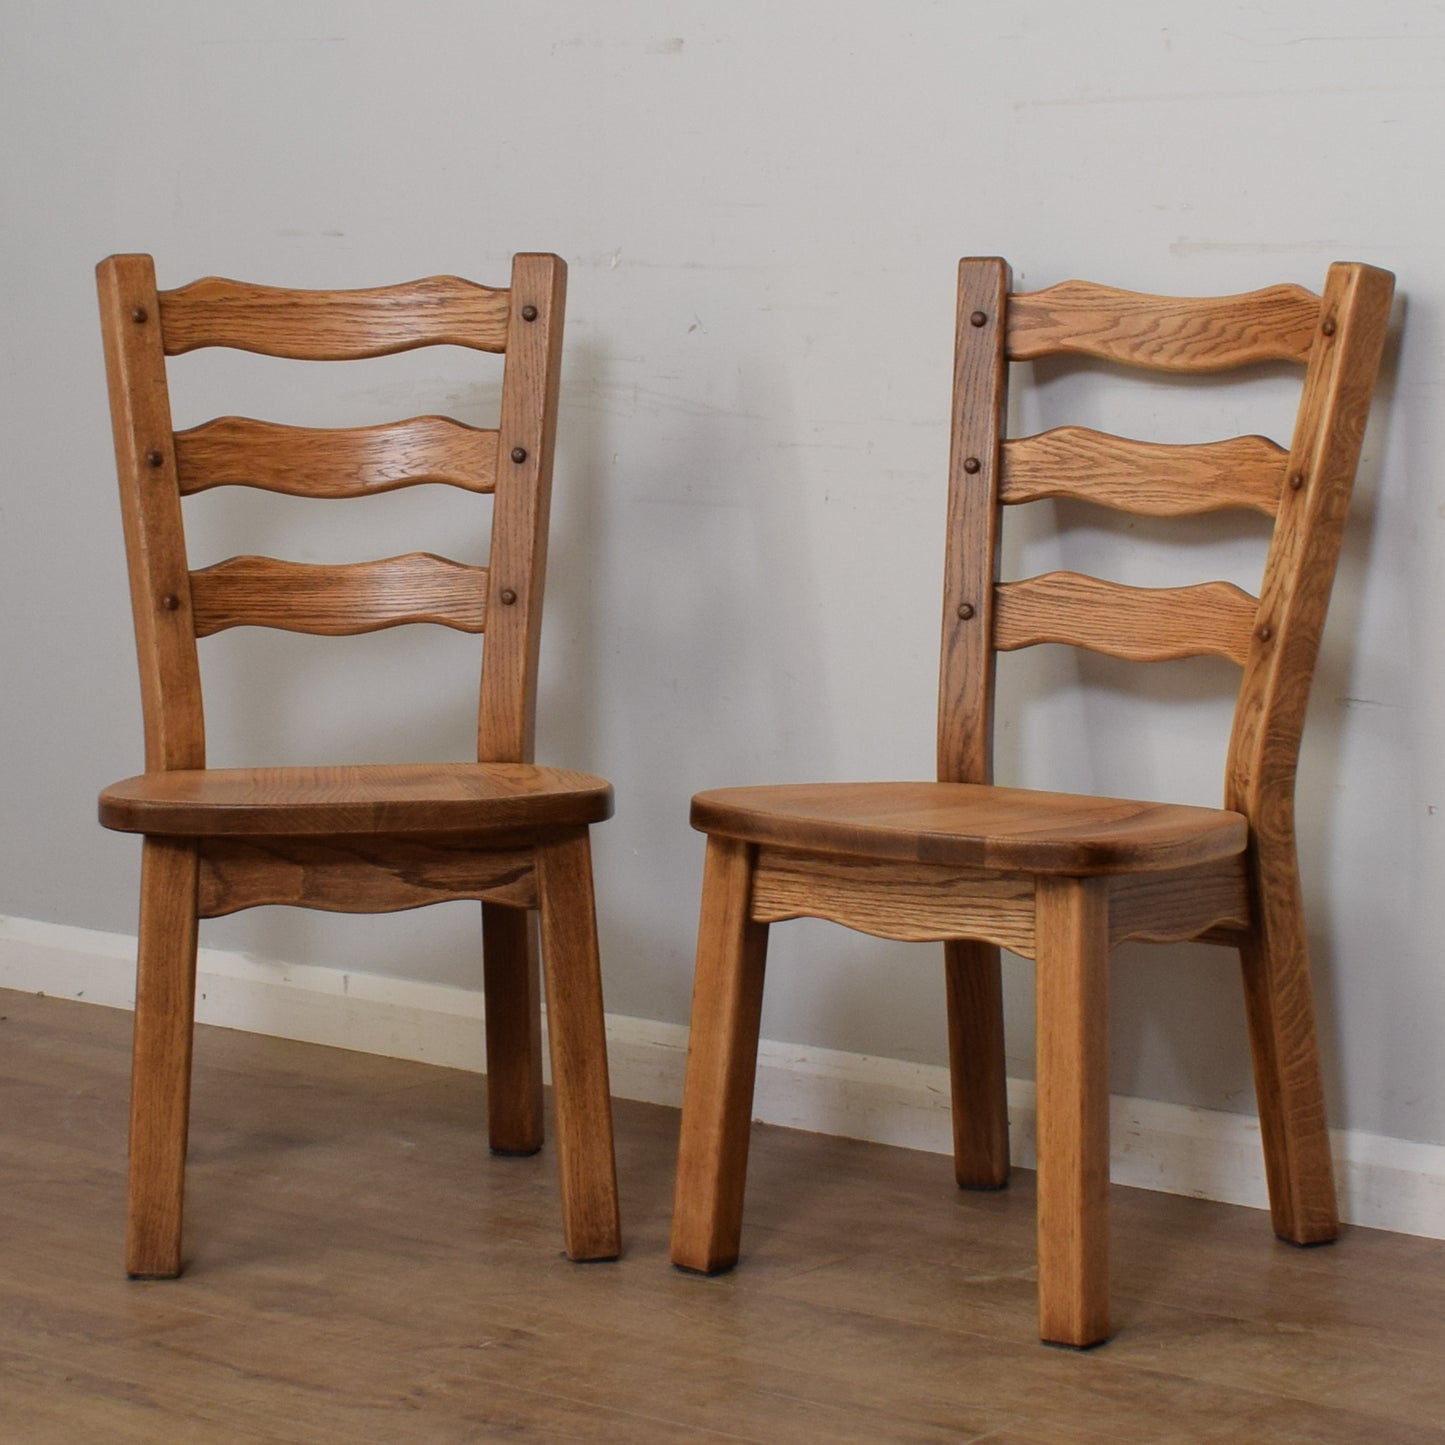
157 466
1337 337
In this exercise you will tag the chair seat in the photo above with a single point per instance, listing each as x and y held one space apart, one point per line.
971 825
381 798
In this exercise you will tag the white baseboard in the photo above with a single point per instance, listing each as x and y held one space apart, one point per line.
1384 1183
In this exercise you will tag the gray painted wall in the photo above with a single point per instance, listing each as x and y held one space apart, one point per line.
762 206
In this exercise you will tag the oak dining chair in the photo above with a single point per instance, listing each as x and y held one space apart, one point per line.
1062 878
355 838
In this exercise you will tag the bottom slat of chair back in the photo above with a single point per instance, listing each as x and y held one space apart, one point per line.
1142 624
339 600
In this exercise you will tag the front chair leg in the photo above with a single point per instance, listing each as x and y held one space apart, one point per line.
722 1056
976 1064
514 1029
577 1035
160 1095
1071 1006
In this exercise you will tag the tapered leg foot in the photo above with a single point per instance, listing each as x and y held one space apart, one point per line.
578 1038
161 1064
1071 1002
1279 1003
722 1056
514 1029
976 1064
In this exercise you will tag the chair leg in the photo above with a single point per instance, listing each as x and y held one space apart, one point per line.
976 1064
1279 1002
722 1058
1071 1003
160 1096
514 1029
577 1035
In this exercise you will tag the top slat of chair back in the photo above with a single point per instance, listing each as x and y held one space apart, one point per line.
1337 336
157 467
1163 333
333 325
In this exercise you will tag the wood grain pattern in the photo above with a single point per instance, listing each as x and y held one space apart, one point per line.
335 462
977 1067
916 903
722 1057
577 1038
1142 624
904 901
512 984
339 601
1288 1084
369 874
1146 478
507 713
482 800
972 826
1168 907
1299 570
331 1186
333 325
140 410
1071 1004
1264 747
972 974
1163 333
966 664
161 1057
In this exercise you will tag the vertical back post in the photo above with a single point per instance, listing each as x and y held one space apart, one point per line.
518 562
151 509
980 394
1300 570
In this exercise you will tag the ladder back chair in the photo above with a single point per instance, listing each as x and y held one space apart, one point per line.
1062 878
359 839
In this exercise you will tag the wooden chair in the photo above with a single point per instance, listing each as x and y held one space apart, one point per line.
1061 878
359 839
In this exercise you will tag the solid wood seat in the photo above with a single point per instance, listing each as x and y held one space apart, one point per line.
358 839
1060 878
974 826
381 798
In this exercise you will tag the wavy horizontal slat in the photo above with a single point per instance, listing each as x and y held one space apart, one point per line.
338 600
333 325
1143 624
1144 477
1163 333
317 462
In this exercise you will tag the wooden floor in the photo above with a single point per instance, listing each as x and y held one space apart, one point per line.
363 1270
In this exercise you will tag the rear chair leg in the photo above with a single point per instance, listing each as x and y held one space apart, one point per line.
976 1064
1279 1003
722 1056
514 1029
160 1094
1071 1004
577 1035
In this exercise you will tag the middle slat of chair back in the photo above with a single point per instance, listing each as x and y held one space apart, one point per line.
335 463
1143 478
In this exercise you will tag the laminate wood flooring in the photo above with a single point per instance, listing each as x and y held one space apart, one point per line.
361 1269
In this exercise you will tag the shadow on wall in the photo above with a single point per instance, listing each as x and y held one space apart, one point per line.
700 553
